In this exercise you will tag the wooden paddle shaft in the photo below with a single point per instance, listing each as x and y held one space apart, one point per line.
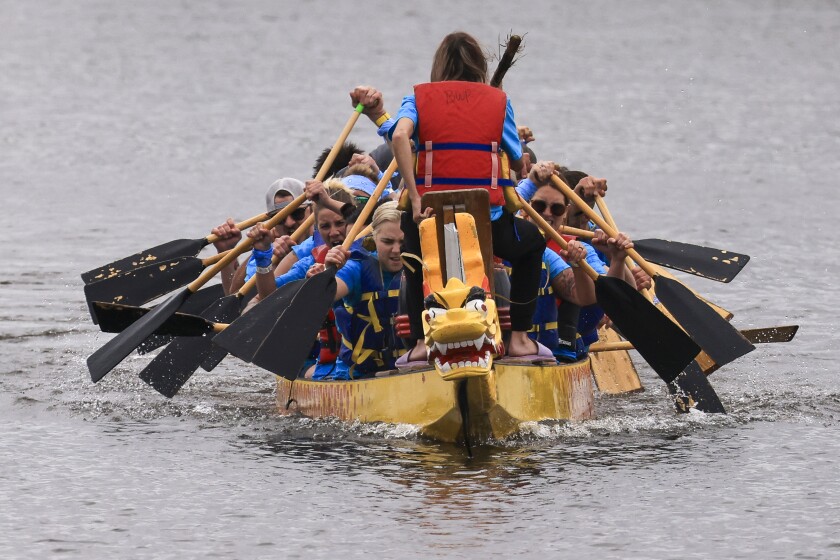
214 259
601 222
246 244
611 346
576 232
359 224
602 206
543 225
212 238
342 137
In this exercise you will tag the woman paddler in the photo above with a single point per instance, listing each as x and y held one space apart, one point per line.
368 284
460 126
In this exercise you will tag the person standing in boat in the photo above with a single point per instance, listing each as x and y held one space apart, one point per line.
368 285
460 127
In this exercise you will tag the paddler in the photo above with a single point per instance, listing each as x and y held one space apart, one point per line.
368 285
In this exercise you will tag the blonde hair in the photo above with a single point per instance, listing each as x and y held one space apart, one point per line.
337 191
387 212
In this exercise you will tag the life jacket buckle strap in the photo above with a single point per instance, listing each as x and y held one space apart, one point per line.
494 165
428 164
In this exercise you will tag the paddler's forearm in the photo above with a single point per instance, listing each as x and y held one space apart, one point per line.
233 279
265 284
517 165
401 146
584 289
286 264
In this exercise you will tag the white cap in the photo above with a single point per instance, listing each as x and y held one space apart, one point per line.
287 184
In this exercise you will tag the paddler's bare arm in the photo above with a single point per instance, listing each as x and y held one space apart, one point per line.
228 237
337 256
517 165
574 285
371 98
616 249
263 239
401 146
586 188
316 192
286 264
237 281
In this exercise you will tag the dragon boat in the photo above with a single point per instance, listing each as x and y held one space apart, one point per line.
466 394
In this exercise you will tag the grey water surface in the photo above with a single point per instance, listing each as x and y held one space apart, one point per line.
124 125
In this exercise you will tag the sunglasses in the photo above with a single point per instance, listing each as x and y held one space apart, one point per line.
297 214
557 208
361 199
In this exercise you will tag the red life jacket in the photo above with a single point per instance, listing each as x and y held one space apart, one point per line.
460 133
328 337
554 246
328 340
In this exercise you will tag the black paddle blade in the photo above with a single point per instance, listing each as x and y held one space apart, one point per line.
142 285
115 350
246 334
661 343
771 334
115 318
174 366
154 342
217 353
164 252
284 351
714 264
201 300
720 340
691 389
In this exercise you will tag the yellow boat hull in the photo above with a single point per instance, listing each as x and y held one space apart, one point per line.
497 404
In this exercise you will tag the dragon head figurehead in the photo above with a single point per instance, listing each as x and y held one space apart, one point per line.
462 331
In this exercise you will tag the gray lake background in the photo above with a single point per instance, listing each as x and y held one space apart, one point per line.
127 124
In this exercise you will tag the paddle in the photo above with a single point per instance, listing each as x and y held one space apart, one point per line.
512 47
174 366
143 284
203 298
163 252
115 318
714 334
765 335
663 345
614 372
114 351
719 265
286 332
707 262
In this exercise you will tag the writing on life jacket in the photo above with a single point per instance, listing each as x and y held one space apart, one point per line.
457 96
